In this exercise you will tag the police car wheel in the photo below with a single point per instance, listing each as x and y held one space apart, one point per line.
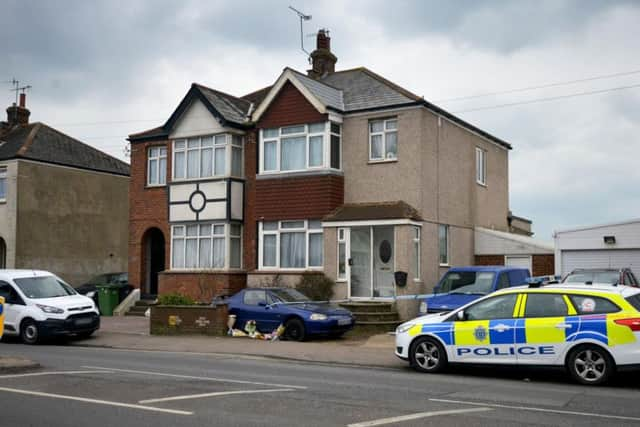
29 332
427 355
590 364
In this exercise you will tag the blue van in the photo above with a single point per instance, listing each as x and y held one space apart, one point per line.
461 285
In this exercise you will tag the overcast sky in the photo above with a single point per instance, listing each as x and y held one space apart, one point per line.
103 70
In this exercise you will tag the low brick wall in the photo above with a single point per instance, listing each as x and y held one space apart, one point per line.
201 286
541 264
185 319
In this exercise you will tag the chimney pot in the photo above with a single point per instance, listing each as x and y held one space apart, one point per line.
23 100
323 62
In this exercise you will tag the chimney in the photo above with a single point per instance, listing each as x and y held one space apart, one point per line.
18 115
323 62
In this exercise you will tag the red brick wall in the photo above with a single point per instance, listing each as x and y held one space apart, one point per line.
290 107
201 286
309 197
250 237
147 209
543 265
489 260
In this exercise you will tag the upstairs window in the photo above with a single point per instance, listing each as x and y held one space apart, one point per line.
481 166
157 166
383 140
207 157
3 184
300 147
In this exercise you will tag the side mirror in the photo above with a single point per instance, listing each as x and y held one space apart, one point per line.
461 316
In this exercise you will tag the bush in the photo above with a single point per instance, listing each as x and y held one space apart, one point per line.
317 287
175 299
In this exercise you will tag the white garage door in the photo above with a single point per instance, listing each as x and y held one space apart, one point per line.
608 258
518 261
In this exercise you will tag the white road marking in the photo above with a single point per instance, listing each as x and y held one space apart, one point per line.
96 401
214 394
37 374
528 408
192 377
392 420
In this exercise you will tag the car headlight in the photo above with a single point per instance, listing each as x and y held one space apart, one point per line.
404 328
318 316
423 307
49 309
91 294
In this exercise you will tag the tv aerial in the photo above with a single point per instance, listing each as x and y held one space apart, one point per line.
303 17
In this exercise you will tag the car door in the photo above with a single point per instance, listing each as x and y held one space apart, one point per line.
487 334
255 308
546 325
13 305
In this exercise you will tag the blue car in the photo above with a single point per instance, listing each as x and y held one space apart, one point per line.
461 285
271 307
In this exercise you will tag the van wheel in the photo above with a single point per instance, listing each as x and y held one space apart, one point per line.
29 332
427 355
590 364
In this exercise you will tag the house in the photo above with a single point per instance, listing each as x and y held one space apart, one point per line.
63 204
612 245
340 172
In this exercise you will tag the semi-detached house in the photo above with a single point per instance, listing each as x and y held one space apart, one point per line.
341 172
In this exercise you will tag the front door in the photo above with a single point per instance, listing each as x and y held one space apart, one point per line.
371 262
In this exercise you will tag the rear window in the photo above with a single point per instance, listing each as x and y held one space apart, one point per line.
468 282
611 277
587 304
634 300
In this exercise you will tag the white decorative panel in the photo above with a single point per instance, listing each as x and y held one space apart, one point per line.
196 120
181 213
214 190
181 192
237 200
213 210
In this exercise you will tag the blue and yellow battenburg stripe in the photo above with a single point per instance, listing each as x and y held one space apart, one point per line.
1 316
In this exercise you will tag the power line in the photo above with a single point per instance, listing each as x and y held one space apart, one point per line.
552 98
544 86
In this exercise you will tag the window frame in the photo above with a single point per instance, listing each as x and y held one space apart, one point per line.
481 166
383 133
417 247
454 316
327 133
231 141
157 159
560 296
444 227
278 231
226 236
342 241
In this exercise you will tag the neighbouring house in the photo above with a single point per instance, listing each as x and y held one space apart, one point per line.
613 245
340 172
513 249
519 225
63 204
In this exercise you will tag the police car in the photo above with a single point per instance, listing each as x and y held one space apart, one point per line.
591 330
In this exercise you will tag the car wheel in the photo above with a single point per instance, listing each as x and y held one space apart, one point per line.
29 332
427 355
590 364
294 330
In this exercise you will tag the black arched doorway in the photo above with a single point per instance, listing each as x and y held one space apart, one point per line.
153 244
3 254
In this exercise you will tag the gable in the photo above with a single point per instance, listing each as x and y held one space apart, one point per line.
290 107
196 120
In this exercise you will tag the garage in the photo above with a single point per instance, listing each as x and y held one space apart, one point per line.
615 245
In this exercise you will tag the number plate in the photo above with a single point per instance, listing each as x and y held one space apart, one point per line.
344 321
84 321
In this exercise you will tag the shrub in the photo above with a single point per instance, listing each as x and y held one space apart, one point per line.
317 287
175 299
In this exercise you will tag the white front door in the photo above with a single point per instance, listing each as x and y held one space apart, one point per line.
371 262
523 261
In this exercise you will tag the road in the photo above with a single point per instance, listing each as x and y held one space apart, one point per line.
80 386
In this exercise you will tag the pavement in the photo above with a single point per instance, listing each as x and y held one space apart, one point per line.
132 333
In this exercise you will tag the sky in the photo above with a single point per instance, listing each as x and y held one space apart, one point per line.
101 70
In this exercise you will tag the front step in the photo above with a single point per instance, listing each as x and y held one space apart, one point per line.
140 308
373 317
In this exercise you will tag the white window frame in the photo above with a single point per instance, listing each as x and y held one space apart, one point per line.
342 240
383 133
307 134
227 245
278 232
3 179
481 166
446 236
417 247
162 154
230 141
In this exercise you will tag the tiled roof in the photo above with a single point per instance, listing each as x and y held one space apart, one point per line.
257 96
231 108
373 211
39 142
328 95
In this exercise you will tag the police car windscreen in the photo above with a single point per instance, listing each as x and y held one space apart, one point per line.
468 282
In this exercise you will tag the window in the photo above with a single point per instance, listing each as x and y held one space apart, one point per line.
208 156
586 304
545 305
3 184
467 282
443 243
204 246
383 140
255 297
416 252
342 254
500 307
157 166
291 244
481 166
300 147
10 295
503 281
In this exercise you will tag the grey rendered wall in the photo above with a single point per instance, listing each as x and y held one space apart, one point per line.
8 213
71 222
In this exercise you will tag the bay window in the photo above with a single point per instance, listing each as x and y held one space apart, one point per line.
383 140
207 157
156 166
206 246
291 244
300 147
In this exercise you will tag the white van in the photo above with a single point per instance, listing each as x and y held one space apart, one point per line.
39 305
